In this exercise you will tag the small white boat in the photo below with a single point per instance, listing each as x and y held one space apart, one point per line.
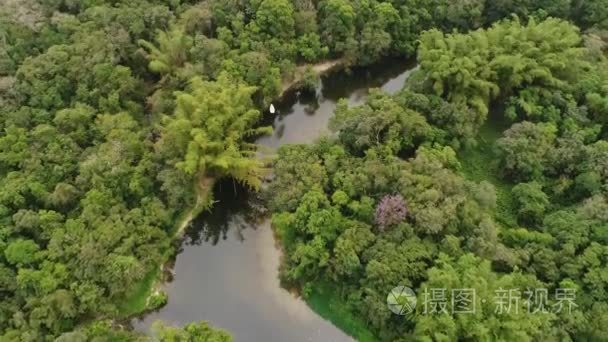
272 110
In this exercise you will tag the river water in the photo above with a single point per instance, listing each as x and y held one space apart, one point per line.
227 269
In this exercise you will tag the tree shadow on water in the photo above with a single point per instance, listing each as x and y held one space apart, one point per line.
235 209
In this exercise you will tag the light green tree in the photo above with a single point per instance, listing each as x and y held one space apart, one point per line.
193 332
207 137
171 52
475 68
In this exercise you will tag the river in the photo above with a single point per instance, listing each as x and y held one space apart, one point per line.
226 271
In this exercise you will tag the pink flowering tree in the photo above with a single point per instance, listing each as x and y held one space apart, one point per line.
390 211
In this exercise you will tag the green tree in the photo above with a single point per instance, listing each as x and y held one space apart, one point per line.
171 54
524 148
275 18
206 137
590 13
337 25
486 322
193 332
466 14
531 201
85 71
21 252
309 47
380 122
475 68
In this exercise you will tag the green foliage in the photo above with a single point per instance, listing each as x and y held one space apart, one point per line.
537 71
480 164
476 68
486 323
337 24
206 137
466 13
157 300
21 252
380 122
195 332
105 331
275 18
98 155
310 48
101 331
310 79
524 149
328 241
256 68
531 202
300 169
326 302
84 72
171 54
137 298
590 13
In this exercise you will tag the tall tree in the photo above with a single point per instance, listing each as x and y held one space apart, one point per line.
208 134
171 52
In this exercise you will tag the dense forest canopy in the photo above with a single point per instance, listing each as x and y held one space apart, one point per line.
390 201
116 118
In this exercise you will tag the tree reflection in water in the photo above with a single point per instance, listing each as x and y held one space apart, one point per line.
236 208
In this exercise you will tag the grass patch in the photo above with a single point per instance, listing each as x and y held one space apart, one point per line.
136 301
326 303
481 164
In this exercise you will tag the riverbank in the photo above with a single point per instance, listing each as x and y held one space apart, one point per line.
325 301
138 302
318 69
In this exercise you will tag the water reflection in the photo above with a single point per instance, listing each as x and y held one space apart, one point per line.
227 269
227 273
303 116
235 211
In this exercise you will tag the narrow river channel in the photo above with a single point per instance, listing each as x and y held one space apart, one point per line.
227 269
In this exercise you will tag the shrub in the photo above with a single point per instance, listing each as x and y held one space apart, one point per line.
157 300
